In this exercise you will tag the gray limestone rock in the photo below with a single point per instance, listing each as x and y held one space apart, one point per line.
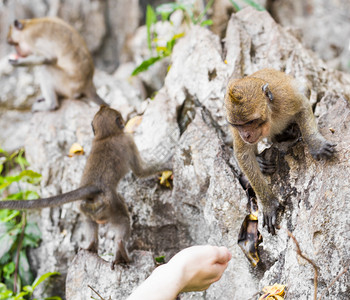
207 204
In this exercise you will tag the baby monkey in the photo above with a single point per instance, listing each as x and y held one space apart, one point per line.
263 105
113 154
67 67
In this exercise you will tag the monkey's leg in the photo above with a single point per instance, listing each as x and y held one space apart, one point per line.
317 144
120 222
49 100
92 235
245 155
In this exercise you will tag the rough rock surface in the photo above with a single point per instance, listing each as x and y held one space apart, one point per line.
207 203
330 19
86 282
207 199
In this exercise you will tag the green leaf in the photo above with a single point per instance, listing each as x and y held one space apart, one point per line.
170 44
145 65
32 236
7 215
8 269
160 259
5 258
20 296
44 277
30 176
5 185
5 294
53 298
21 160
254 5
24 268
151 18
6 242
16 196
207 22
30 195
200 17
28 288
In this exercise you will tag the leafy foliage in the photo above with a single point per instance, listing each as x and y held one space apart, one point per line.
27 291
16 234
252 3
161 14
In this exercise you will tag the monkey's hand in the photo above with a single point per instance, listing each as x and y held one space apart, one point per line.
31 60
320 147
266 166
270 215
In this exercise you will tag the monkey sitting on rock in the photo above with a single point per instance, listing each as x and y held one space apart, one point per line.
67 67
262 105
112 155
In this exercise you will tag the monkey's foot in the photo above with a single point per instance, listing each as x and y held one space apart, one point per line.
121 256
42 105
93 247
326 149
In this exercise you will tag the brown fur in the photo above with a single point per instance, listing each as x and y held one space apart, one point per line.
67 66
255 113
112 155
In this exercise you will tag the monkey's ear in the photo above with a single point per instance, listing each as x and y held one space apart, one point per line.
18 25
267 91
120 122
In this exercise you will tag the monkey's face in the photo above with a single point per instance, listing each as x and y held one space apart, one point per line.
252 131
247 108
107 122
15 37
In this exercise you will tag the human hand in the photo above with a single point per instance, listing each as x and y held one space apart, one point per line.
192 269
200 266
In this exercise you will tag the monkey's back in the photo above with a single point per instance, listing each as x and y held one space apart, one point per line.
53 37
107 163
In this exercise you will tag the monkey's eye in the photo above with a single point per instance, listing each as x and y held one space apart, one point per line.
235 125
250 122
18 24
119 122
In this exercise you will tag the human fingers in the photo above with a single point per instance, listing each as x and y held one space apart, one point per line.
223 255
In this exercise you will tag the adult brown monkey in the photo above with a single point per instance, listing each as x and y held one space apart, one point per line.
112 155
67 67
263 105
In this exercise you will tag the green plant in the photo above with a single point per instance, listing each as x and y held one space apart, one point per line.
252 3
16 233
27 291
163 12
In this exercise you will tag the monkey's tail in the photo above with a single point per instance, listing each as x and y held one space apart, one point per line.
74 195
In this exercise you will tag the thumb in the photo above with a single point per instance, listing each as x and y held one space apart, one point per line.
223 255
